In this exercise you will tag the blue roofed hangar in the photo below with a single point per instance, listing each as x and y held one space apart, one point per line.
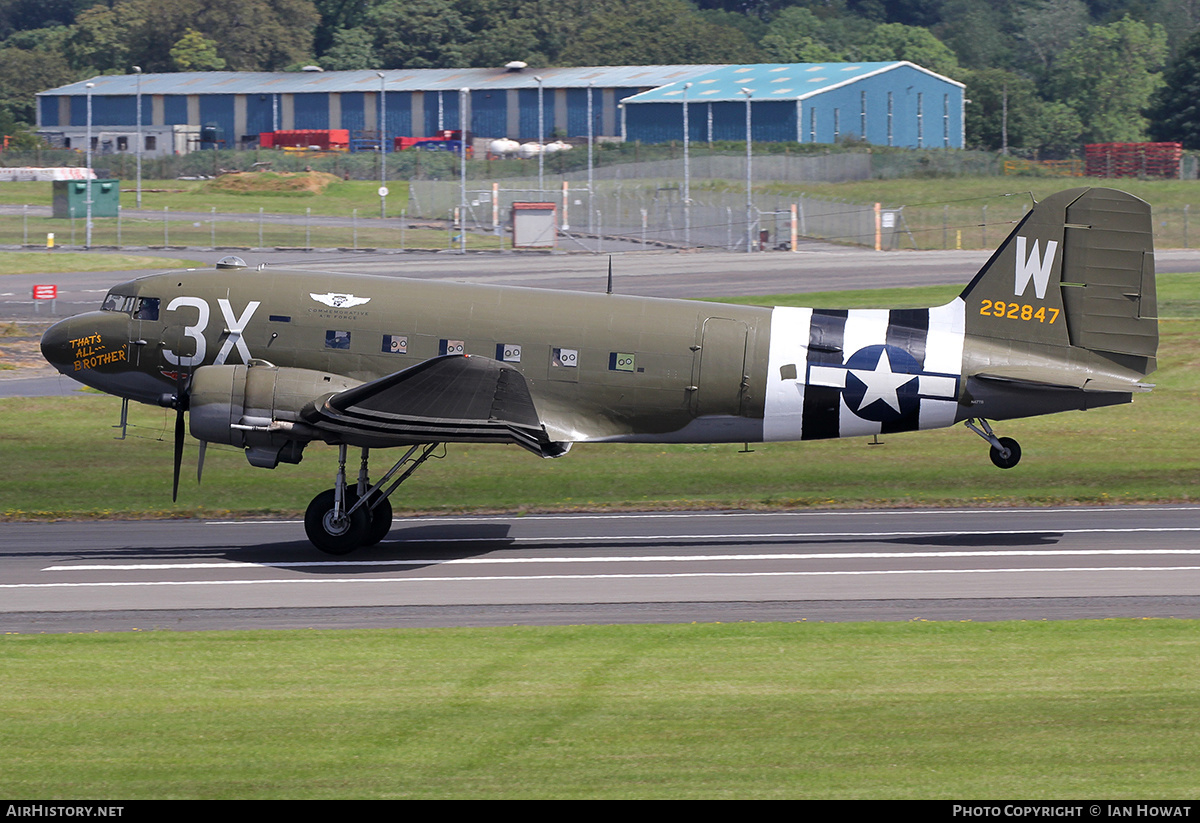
889 104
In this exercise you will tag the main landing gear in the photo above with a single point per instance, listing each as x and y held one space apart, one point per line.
345 518
1005 452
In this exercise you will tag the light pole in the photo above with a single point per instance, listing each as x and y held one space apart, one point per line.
88 200
591 140
687 173
463 122
541 135
749 177
138 71
383 189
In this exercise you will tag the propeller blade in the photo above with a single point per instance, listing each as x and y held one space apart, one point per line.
200 460
181 404
178 452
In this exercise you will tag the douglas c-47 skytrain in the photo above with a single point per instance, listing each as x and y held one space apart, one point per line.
1062 317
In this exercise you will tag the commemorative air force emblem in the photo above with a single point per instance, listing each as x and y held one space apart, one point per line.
339 301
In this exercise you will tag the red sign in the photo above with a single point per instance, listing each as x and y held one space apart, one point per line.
45 292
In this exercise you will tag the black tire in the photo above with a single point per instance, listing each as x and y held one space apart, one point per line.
336 537
381 522
1013 457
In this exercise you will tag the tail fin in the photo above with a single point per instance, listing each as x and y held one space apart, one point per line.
1078 271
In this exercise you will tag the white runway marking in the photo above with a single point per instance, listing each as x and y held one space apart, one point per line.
681 575
462 561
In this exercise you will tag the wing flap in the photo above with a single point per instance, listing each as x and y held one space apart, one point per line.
454 398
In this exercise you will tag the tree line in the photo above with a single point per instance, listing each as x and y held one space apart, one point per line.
1042 76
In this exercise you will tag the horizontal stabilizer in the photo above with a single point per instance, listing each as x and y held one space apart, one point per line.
1040 377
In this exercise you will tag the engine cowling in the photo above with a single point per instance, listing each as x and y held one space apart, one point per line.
256 407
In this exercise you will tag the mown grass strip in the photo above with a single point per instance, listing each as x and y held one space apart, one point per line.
1022 710
53 261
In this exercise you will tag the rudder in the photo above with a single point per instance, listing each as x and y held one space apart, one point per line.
1078 271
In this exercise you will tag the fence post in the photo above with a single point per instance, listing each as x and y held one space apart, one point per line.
566 222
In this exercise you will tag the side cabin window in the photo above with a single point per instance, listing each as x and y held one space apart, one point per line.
147 309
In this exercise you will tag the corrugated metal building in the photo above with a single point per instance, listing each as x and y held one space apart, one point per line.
232 108
896 103
887 104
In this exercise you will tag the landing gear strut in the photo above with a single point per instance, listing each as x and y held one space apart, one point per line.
345 518
1005 452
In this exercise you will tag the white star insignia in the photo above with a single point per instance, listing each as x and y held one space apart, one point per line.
882 383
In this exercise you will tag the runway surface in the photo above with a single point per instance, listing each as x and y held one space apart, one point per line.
610 568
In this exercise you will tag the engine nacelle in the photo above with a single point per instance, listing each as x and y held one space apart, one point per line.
256 407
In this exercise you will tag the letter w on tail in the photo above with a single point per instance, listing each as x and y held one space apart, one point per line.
1033 267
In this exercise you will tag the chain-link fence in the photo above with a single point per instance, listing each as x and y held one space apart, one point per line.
637 205
655 212
627 217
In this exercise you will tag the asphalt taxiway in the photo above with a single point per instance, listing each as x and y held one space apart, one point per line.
608 568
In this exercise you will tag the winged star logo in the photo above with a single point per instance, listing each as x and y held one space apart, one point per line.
883 383
338 300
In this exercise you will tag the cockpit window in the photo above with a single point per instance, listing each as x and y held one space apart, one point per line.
118 302
139 308
147 309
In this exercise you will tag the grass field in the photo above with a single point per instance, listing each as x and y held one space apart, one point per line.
1062 710
38 262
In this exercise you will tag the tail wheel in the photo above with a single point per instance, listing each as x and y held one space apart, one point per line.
1008 455
337 534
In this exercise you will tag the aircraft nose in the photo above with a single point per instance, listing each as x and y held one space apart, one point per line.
93 342
56 345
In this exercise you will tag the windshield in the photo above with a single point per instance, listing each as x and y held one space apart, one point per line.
118 302
139 308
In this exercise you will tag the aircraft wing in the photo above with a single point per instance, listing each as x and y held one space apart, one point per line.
458 398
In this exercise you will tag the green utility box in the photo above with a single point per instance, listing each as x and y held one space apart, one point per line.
70 198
